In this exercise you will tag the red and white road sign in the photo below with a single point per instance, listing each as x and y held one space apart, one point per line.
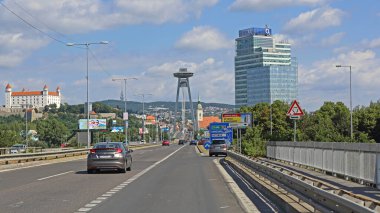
295 110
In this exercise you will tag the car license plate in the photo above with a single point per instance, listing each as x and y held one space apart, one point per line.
105 156
217 147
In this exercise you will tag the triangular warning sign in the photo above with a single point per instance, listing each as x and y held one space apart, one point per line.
295 109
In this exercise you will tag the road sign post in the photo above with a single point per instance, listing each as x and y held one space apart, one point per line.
295 112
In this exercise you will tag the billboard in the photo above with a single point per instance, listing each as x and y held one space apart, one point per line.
93 123
238 119
117 129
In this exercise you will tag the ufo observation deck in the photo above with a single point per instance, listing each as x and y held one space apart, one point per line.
183 73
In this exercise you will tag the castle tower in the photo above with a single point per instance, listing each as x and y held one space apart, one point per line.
8 96
45 93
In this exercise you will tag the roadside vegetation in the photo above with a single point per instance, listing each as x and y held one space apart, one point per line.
330 123
59 126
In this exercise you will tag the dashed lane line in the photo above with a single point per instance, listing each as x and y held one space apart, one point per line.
51 176
89 206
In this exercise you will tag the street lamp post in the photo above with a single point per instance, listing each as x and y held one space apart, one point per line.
125 102
143 120
351 131
88 105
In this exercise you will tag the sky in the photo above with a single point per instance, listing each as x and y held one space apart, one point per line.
150 40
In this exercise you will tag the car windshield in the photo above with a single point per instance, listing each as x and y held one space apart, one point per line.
218 142
107 146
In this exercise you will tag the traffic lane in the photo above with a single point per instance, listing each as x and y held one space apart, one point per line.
186 182
16 177
67 193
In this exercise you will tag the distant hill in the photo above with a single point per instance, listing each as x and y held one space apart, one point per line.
136 107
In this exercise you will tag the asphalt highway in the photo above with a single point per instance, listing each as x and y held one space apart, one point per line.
163 179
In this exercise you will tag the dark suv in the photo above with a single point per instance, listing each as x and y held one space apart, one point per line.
218 147
181 142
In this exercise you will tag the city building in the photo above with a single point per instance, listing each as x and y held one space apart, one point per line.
32 99
204 121
265 71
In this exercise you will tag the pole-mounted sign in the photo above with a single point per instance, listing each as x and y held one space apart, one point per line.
295 112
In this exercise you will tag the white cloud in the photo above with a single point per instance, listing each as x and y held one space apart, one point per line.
375 43
16 47
55 17
211 80
204 38
333 39
314 20
257 5
323 81
72 16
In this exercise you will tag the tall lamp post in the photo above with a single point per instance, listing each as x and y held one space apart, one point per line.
143 120
88 105
125 102
350 96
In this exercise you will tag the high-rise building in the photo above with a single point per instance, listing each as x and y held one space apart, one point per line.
265 71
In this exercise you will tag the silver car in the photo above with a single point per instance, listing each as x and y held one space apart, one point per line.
218 147
109 155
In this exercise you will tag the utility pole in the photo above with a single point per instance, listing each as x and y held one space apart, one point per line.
143 111
125 104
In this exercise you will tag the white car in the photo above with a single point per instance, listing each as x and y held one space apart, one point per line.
18 148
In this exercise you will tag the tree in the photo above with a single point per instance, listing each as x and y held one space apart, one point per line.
52 131
252 143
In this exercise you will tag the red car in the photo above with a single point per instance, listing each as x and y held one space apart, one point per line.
165 143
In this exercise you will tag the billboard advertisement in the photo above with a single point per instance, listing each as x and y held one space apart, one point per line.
238 119
117 129
93 123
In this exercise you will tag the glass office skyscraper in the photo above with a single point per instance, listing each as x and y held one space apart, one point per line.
264 69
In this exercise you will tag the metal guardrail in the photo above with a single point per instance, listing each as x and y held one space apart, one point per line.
319 193
358 161
30 157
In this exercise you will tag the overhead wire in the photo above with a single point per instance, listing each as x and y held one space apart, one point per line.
31 25
43 23
48 35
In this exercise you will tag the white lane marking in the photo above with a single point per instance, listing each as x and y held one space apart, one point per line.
43 164
224 207
84 209
55 175
102 198
90 205
130 180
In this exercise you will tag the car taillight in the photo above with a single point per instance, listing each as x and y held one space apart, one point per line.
92 151
119 150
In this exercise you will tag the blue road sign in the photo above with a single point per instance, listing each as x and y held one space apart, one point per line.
207 145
